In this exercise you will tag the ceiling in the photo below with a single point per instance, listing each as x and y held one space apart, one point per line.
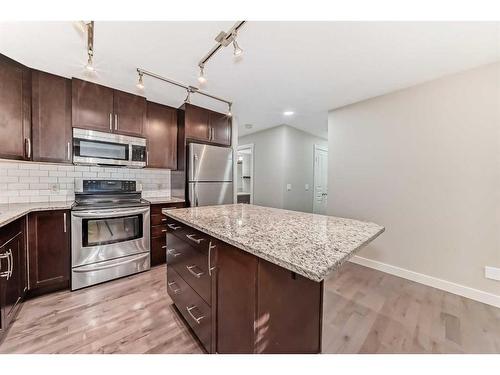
305 67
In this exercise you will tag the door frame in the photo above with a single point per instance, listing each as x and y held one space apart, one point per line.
316 148
252 176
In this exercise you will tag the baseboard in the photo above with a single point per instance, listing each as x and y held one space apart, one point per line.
461 290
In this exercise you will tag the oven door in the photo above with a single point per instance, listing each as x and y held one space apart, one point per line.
101 235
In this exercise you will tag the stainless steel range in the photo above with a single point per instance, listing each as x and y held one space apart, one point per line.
110 226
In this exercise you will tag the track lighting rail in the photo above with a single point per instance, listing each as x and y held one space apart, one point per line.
189 89
223 40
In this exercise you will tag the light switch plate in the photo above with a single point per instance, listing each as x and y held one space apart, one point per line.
288 187
307 187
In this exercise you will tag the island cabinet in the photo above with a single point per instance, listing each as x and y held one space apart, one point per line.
13 284
49 251
158 232
15 110
101 108
236 302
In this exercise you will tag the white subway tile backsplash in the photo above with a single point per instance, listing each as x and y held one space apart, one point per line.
44 182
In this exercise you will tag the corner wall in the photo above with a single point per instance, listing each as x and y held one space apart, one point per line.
425 163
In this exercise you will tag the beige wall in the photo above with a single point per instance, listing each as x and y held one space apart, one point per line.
425 163
283 155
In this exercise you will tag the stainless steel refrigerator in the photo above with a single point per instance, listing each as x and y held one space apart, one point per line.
210 175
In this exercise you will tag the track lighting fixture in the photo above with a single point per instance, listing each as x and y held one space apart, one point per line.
201 78
188 97
237 50
223 39
140 83
90 46
229 114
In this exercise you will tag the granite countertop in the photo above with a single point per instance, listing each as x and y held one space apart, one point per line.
158 200
311 245
13 211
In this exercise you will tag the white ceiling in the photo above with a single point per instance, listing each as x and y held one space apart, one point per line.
307 67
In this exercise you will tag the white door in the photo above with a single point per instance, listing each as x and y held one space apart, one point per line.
320 179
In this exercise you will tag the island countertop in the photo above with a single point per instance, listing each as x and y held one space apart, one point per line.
308 244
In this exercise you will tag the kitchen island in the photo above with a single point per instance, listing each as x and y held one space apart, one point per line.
249 279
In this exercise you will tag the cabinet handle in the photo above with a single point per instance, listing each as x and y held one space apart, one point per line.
116 121
210 247
173 226
164 247
11 264
69 151
163 219
110 122
176 290
191 237
147 157
65 229
173 253
195 274
5 273
189 308
28 151
163 230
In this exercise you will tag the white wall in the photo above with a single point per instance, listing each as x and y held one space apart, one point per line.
283 155
425 163
23 182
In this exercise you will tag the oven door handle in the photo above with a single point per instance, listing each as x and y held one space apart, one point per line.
108 213
97 268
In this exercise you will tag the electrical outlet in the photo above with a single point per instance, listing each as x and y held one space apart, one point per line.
492 273
54 187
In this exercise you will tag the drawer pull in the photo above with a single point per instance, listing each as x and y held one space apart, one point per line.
195 274
163 219
191 237
173 253
164 247
175 290
189 309
173 226
163 230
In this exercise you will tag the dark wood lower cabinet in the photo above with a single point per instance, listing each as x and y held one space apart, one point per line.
252 306
159 231
49 251
12 272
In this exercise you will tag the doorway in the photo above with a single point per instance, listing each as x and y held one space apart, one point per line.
244 168
320 192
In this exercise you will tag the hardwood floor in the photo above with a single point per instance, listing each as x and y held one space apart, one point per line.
366 311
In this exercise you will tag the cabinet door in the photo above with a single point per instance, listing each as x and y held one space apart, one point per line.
196 123
129 113
49 249
220 124
13 285
15 110
161 134
92 106
51 117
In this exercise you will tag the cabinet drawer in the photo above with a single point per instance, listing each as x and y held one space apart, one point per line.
158 231
195 238
158 219
196 312
191 264
158 250
156 208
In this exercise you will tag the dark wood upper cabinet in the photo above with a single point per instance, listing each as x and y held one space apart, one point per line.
196 123
220 123
49 250
97 107
92 106
129 113
51 118
204 125
15 110
161 135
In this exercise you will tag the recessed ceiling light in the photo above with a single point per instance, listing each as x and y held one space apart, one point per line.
288 113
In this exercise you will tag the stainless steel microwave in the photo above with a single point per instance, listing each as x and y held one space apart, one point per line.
99 148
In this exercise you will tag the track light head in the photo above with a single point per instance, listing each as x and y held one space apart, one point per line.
201 78
188 97
90 65
237 50
229 113
140 83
